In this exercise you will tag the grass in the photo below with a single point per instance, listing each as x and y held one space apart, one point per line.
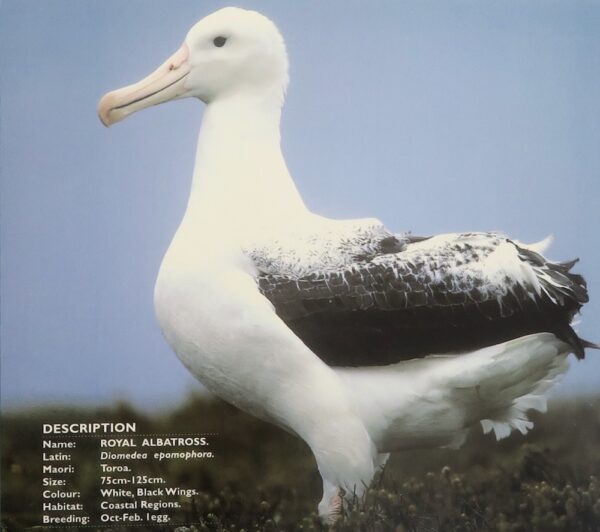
263 479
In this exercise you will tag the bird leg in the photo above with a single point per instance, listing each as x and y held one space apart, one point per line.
331 505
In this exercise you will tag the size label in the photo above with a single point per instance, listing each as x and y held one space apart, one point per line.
105 474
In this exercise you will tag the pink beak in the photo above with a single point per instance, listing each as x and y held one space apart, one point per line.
165 83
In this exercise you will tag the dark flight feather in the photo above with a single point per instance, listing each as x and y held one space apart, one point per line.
410 297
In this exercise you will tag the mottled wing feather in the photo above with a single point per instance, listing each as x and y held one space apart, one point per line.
446 293
434 273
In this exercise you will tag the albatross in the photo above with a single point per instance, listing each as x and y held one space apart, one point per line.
359 340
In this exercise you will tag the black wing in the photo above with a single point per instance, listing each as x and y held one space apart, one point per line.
449 293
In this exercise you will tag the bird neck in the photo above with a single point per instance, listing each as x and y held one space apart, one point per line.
240 175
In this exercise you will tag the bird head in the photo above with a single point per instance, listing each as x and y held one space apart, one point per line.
232 52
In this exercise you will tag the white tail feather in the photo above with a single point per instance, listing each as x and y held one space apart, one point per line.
515 417
430 402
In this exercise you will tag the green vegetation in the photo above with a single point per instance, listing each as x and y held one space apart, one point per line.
263 479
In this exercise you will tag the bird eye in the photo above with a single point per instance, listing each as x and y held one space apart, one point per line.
219 41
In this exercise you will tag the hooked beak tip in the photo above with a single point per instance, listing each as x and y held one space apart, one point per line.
105 107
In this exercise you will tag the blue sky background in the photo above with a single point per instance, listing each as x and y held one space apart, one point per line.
433 116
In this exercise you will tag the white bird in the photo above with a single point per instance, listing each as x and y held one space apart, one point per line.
358 340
